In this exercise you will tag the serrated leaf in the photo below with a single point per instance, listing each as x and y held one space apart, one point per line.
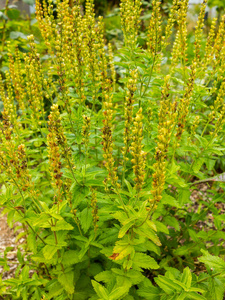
120 216
31 242
196 296
150 293
186 277
149 233
167 284
105 276
130 188
125 228
62 225
184 196
70 257
216 289
144 261
161 227
78 194
198 164
122 251
172 221
49 251
100 290
169 200
66 280
86 219
214 262
120 292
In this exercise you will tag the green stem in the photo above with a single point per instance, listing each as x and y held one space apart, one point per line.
211 276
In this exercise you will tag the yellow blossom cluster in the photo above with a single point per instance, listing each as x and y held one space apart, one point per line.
167 115
56 140
130 11
128 112
107 139
137 152
94 210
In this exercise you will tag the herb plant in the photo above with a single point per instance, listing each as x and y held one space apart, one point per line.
101 149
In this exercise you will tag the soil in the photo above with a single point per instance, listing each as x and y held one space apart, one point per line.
7 239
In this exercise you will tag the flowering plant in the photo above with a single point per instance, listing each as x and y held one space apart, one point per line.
99 156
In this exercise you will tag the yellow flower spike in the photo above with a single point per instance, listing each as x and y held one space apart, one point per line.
111 65
155 28
57 149
128 112
139 156
107 141
180 45
199 33
94 211
130 11
86 131
172 17
209 49
167 114
185 102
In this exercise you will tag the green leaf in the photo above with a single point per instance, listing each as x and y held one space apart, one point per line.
78 194
126 227
54 288
16 34
149 233
150 293
196 296
198 164
31 242
94 182
182 296
105 276
184 196
167 284
120 292
216 289
100 290
144 261
70 257
169 200
186 277
86 219
49 251
171 221
214 262
13 14
62 225
122 250
66 280
161 227
130 188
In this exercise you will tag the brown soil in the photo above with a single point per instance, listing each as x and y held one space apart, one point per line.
7 239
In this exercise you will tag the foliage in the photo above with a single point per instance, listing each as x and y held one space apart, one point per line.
15 28
100 154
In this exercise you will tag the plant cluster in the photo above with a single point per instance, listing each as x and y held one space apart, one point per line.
101 150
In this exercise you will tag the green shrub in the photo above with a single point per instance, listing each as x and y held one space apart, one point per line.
100 154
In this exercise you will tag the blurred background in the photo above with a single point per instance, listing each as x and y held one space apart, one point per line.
17 21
